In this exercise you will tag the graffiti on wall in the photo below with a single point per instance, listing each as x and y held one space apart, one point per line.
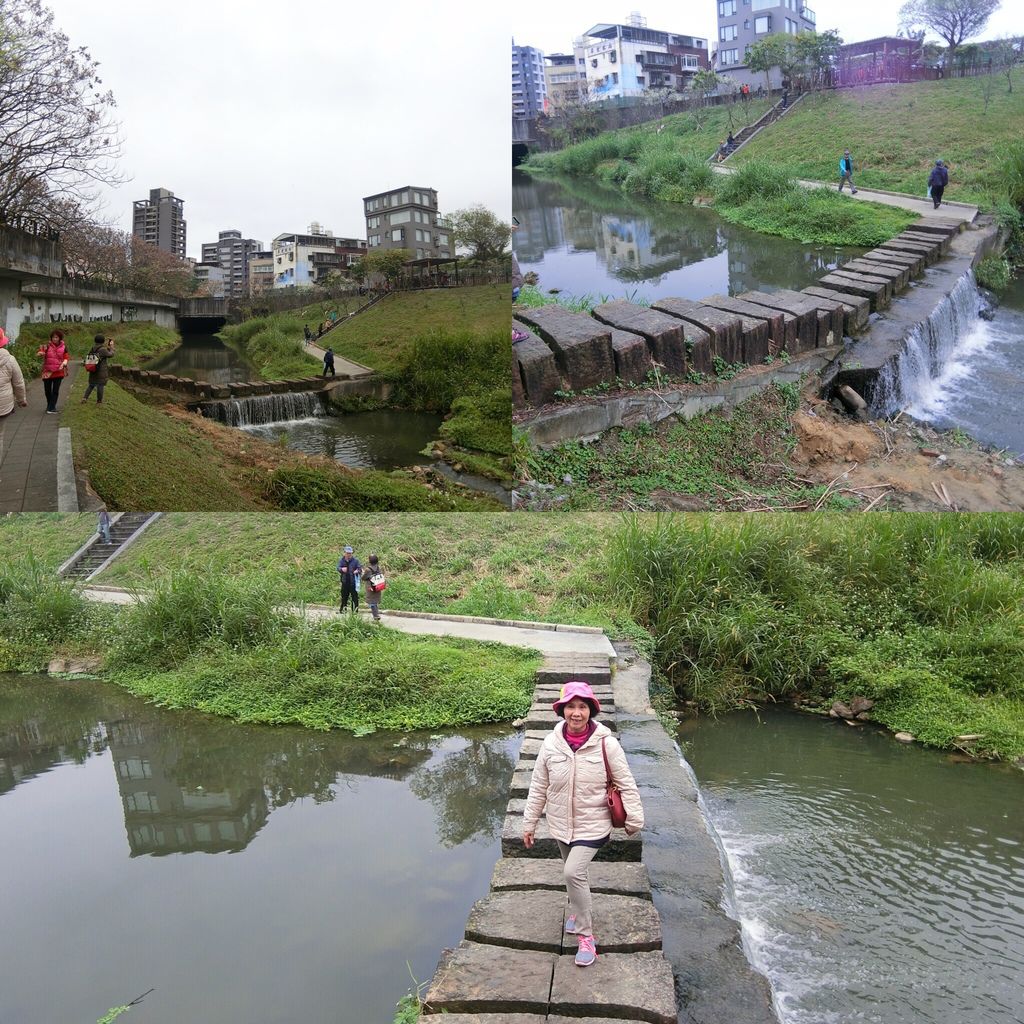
128 313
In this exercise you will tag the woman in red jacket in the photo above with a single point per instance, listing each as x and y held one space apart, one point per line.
55 367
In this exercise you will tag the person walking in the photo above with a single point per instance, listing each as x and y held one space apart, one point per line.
846 171
96 365
55 368
103 525
329 361
937 182
12 387
569 785
375 584
349 569
307 333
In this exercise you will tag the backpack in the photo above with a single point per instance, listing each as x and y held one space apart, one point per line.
91 362
377 582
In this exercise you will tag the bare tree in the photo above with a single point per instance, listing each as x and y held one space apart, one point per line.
1008 54
58 138
953 20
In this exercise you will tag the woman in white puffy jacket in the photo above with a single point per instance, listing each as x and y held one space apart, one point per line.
569 786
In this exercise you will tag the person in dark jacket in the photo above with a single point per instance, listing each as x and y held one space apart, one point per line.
349 569
96 365
937 182
375 583
329 362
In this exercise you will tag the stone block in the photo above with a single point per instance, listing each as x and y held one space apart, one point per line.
635 986
563 670
632 356
530 749
856 308
665 336
582 345
874 291
829 315
927 255
518 392
898 275
474 978
913 262
498 1018
938 226
619 848
942 241
836 306
220 391
806 316
535 368
775 321
724 329
533 919
621 879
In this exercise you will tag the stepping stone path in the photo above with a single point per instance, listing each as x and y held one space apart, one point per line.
566 351
516 964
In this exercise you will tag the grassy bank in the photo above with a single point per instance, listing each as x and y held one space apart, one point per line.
134 342
897 132
139 457
218 644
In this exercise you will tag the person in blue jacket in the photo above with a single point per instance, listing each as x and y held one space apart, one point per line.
350 570
937 182
846 171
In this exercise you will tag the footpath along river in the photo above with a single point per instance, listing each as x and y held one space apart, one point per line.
244 873
875 882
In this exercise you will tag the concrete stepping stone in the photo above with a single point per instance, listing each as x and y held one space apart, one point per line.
839 309
530 749
634 986
806 316
512 874
592 1020
559 672
632 356
535 919
927 253
781 326
497 1018
535 367
475 978
830 318
943 242
899 276
874 290
915 264
938 226
664 336
725 330
619 848
582 345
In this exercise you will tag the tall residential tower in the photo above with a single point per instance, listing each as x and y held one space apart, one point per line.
741 23
160 220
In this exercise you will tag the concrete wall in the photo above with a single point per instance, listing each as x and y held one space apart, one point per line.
64 301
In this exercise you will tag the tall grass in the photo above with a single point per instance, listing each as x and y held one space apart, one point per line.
442 365
923 613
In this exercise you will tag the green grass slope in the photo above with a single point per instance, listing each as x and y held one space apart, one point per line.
897 132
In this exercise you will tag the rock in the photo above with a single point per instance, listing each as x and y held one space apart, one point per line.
832 713
905 737
82 666
864 716
969 737
942 458
518 723
859 704
931 453
986 314
850 398
851 721
997 472
842 710
567 480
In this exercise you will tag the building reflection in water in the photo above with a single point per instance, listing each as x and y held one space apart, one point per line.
583 238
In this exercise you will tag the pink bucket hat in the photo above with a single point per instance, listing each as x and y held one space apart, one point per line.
574 688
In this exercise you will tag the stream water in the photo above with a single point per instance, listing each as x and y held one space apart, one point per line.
586 239
875 882
243 873
204 357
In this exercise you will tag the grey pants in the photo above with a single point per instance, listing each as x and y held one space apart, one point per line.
97 387
373 600
576 871
844 179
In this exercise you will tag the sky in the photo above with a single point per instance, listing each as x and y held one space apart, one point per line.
551 27
266 116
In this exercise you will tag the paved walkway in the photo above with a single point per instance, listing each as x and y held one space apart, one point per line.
561 641
923 207
28 472
341 365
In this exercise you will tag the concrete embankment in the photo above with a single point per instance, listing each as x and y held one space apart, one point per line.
667 951
565 351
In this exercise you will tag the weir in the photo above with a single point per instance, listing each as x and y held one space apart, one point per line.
262 409
666 950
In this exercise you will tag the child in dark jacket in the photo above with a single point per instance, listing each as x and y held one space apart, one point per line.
371 573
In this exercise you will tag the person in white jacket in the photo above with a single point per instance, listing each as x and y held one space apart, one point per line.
12 387
569 785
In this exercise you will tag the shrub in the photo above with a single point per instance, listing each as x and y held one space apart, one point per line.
993 272
756 179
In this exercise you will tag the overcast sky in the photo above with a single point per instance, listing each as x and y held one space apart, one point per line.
265 116
551 26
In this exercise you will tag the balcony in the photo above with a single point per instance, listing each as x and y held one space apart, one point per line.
807 14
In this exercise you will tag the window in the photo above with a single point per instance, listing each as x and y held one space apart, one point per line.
792 28
373 240
764 5
373 222
442 239
728 32
763 24
729 57
398 234
746 24
690 61
402 217
726 8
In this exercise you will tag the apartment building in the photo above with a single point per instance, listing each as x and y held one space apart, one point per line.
232 253
307 259
407 218
210 276
566 77
160 220
741 23
624 61
529 87
261 271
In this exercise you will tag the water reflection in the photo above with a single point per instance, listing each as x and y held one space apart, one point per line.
584 238
204 357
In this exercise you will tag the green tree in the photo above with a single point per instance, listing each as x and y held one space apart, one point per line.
705 83
818 51
387 262
952 20
480 231
767 54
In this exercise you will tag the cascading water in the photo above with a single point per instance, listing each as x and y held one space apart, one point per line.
262 409
910 377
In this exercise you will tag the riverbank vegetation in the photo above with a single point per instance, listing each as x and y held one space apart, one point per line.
134 343
924 614
221 644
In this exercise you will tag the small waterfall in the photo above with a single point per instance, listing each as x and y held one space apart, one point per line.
907 379
261 409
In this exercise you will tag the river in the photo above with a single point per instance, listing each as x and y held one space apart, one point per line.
244 873
586 239
875 882
204 357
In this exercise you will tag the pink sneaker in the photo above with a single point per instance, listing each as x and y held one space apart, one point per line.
587 953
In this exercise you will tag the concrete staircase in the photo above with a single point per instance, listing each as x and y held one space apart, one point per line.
769 117
94 555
